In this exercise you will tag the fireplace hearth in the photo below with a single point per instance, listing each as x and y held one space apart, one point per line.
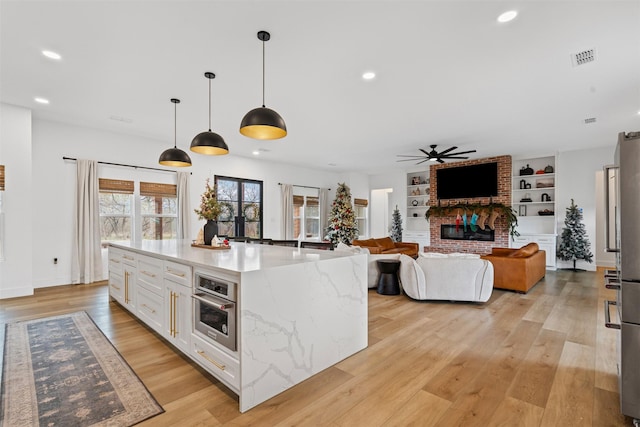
449 232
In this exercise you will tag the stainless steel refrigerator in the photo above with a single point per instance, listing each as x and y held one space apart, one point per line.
623 237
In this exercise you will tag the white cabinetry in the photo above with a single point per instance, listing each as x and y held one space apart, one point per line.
177 303
546 242
416 226
149 292
122 278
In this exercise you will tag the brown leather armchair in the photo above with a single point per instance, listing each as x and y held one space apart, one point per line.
386 245
517 269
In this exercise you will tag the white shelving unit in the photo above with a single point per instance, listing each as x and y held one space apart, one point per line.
416 226
534 200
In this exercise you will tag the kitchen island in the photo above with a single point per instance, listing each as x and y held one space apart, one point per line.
297 311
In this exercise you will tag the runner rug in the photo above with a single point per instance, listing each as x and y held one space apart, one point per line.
62 371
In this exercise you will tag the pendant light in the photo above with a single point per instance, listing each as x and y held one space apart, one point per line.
174 156
263 122
209 143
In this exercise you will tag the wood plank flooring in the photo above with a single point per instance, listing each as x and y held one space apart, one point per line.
541 359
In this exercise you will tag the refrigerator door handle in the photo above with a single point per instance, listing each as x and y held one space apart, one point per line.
607 316
607 200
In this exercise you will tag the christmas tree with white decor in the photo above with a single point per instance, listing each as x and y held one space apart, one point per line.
342 219
396 226
574 244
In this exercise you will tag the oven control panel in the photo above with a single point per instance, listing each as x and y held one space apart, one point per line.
221 288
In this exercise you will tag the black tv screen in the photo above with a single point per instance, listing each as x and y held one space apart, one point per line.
465 182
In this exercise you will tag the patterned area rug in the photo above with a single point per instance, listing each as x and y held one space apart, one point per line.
62 371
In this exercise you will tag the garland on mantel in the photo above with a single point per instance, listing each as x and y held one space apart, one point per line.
507 211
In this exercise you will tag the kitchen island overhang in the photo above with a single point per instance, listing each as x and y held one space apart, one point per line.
299 311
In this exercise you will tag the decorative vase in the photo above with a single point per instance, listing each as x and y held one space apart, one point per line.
210 230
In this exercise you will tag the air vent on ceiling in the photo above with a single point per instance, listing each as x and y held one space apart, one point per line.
589 120
583 57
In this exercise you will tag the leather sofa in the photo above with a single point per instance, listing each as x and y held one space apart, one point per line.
452 278
386 245
517 269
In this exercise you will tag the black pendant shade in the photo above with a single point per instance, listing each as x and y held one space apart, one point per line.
263 122
174 157
209 143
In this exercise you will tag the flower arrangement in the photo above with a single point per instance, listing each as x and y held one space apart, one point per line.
209 206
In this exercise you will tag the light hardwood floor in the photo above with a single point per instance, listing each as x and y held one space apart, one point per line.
541 359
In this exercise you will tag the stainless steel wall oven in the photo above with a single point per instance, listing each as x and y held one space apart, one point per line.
214 310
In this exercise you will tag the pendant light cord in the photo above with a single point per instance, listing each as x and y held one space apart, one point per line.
209 105
175 125
262 73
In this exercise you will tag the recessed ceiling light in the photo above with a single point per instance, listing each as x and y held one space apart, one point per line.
507 16
256 152
51 54
332 164
368 75
41 100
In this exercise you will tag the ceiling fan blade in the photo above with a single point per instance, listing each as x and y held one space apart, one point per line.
447 150
410 155
440 160
425 152
410 160
425 160
457 154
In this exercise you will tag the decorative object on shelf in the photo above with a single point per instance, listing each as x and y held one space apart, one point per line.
174 156
342 221
209 143
522 210
544 183
523 184
263 122
415 180
527 186
546 212
415 192
540 172
209 210
396 225
545 197
414 202
574 244
415 215
434 156
200 238
251 212
548 169
493 211
526 198
526 170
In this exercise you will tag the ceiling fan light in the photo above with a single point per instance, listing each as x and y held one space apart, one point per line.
209 143
263 123
174 157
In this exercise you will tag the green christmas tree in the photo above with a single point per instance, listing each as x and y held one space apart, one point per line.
342 219
574 244
396 226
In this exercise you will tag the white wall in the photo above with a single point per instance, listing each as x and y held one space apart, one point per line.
21 211
397 181
54 190
576 175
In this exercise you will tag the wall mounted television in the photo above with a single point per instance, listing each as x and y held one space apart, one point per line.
466 182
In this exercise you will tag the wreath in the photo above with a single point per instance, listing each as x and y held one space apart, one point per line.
226 211
251 212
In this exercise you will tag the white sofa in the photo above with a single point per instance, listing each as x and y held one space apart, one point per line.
456 277
372 271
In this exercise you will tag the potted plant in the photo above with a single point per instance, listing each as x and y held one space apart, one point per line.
209 211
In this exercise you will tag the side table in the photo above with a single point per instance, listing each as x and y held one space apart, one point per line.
388 283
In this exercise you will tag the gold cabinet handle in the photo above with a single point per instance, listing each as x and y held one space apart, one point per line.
175 273
126 287
206 356
128 257
175 314
115 287
114 260
148 308
171 313
146 273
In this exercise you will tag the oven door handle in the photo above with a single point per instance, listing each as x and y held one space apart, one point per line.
209 300
607 316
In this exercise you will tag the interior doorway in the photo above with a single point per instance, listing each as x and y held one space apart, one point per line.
380 212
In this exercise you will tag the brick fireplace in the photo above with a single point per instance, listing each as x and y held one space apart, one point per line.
501 232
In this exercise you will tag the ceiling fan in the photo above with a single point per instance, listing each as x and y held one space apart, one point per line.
434 156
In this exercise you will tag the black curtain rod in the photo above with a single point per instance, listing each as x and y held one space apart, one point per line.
127 166
305 186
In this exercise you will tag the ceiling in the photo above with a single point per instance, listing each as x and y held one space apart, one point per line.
447 73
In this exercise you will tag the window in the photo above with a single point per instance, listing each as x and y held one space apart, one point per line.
360 208
306 217
116 209
159 209
241 203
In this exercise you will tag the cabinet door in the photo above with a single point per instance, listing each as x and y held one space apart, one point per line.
150 307
178 316
129 297
116 286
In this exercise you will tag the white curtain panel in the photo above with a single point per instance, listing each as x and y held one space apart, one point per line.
86 257
286 223
323 201
184 205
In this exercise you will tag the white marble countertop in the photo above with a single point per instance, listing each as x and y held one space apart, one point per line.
241 258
